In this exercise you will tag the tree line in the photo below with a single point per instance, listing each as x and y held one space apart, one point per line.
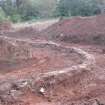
23 10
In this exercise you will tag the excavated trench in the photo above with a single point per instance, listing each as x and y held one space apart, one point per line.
15 55
48 82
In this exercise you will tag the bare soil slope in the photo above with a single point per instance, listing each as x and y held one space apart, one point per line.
44 70
90 30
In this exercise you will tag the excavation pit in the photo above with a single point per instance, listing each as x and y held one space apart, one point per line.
43 57
46 67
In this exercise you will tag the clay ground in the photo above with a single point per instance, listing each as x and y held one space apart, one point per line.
70 72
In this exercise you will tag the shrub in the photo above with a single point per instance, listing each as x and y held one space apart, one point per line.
16 18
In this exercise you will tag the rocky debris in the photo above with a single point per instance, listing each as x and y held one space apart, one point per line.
98 102
5 87
12 90
42 91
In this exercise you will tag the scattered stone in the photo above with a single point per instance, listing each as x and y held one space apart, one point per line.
42 91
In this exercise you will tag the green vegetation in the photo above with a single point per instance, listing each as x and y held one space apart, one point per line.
23 10
78 7
2 15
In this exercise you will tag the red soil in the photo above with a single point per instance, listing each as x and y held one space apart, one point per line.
90 30
22 60
5 26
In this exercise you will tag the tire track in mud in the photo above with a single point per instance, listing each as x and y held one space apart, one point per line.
52 77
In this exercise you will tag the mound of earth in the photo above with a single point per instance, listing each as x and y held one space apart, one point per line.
88 30
27 32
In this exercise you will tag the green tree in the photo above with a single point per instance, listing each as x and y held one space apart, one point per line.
2 15
78 7
20 9
28 10
45 7
9 7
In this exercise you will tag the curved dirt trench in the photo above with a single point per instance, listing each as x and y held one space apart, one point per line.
52 78
57 76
